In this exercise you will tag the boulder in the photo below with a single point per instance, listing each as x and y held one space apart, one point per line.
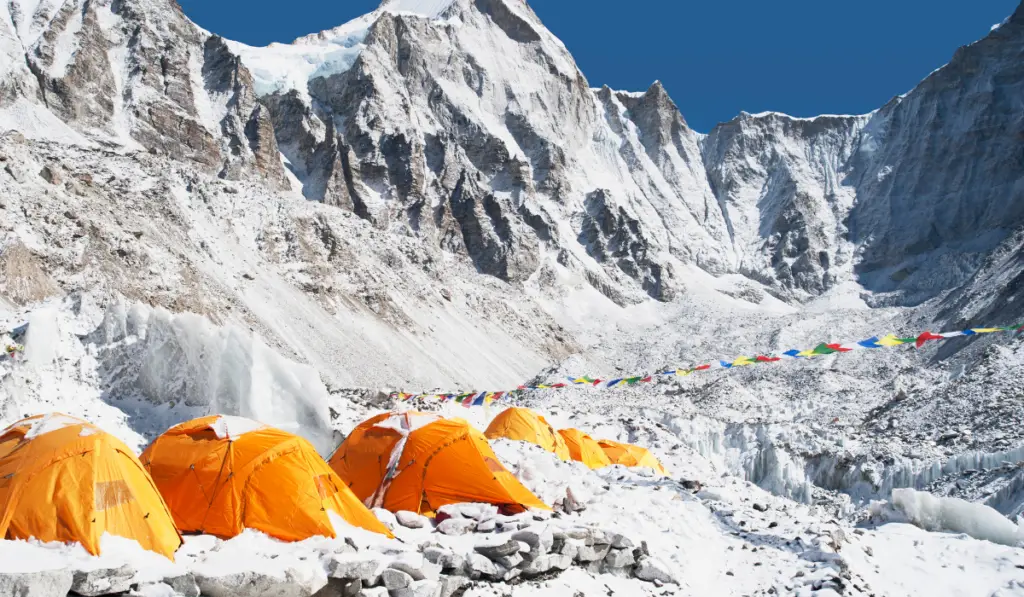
592 553
362 567
619 541
509 526
386 517
395 579
451 584
618 559
341 587
103 581
184 585
256 584
498 550
448 560
456 526
425 588
578 533
412 520
653 570
51 175
569 547
546 563
511 561
538 537
487 526
47 583
416 566
479 566
374 592
471 511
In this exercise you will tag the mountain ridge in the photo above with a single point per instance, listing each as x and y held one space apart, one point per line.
471 134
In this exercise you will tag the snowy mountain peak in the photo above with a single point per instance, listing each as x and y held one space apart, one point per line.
425 8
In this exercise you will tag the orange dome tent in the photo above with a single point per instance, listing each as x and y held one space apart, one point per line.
583 448
221 475
62 479
525 425
630 455
420 462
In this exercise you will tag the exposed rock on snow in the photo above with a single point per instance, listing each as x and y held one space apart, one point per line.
363 567
255 584
412 520
103 581
46 583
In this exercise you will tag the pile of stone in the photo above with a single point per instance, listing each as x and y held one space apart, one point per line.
466 544
529 546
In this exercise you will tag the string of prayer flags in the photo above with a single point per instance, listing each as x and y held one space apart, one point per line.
471 399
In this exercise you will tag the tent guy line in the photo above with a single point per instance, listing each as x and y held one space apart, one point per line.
470 399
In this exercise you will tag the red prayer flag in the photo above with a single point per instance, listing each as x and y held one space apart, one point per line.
838 347
925 337
703 368
646 379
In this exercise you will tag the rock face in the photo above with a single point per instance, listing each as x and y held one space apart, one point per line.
140 73
428 128
467 135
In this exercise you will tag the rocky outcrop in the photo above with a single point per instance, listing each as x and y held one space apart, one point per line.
139 72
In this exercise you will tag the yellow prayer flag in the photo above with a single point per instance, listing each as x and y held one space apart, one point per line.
891 340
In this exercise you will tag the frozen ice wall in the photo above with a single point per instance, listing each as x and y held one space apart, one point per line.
184 359
955 515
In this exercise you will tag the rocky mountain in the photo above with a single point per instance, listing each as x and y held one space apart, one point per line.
455 146
468 126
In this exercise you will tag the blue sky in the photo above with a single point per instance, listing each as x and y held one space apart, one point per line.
715 57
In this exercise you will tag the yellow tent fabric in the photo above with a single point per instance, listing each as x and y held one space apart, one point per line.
63 479
583 448
221 475
419 462
525 425
630 455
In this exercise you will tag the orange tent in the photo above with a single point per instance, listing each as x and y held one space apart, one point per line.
420 462
62 479
221 475
583 448
630 455
525 425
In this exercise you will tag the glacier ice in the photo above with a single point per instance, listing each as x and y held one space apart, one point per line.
952 514
166 359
